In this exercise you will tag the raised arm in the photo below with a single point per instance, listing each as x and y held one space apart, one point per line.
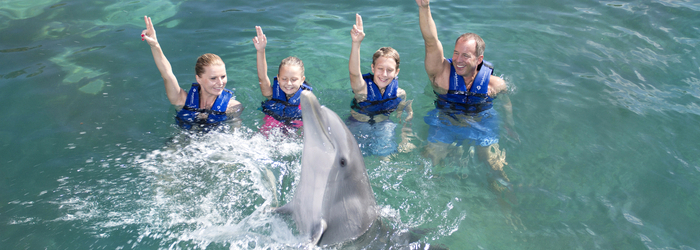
260 42
434 56
357 33
176 95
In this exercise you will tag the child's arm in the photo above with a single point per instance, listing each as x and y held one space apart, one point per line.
176 95
260 42
405 145
357 34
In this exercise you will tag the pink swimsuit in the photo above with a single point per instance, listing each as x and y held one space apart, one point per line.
271 123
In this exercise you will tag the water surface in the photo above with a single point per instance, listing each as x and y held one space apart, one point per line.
605 98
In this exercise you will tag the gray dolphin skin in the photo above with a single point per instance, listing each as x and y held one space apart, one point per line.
333 201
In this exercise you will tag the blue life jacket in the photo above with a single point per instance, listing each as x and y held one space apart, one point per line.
280 108
469 102
376 103
187 117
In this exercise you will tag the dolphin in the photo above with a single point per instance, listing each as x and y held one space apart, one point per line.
333 201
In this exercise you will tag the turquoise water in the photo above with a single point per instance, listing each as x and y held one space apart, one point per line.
605 97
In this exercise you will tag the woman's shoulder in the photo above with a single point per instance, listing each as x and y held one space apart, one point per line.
234 107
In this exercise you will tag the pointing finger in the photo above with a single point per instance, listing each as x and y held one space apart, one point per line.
149 23
258 29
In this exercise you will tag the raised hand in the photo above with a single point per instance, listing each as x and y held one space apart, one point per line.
357 33
260 41
422 3
149 34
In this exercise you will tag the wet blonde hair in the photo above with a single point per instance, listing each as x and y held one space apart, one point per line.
387 52
480 44
205 60
292 61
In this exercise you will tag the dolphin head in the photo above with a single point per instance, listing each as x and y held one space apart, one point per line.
333 201
325 131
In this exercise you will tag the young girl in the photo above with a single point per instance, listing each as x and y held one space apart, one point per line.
207 104
282 108
377 95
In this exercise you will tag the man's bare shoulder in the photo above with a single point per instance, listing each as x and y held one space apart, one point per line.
441 81
496 85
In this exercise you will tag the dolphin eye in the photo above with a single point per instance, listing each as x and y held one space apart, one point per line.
342 162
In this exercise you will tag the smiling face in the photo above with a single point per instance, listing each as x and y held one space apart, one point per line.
213 79
290 78
384 70
465 58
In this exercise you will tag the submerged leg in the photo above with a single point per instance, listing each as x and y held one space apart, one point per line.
436 151
495 157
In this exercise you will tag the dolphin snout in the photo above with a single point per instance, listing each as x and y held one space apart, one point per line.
310 107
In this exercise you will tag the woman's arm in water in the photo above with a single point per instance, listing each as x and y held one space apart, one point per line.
260 42
234 111
176 95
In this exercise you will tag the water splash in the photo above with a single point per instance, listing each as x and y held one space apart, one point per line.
193 192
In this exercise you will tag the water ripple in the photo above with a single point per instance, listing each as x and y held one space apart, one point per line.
693 5
633 220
